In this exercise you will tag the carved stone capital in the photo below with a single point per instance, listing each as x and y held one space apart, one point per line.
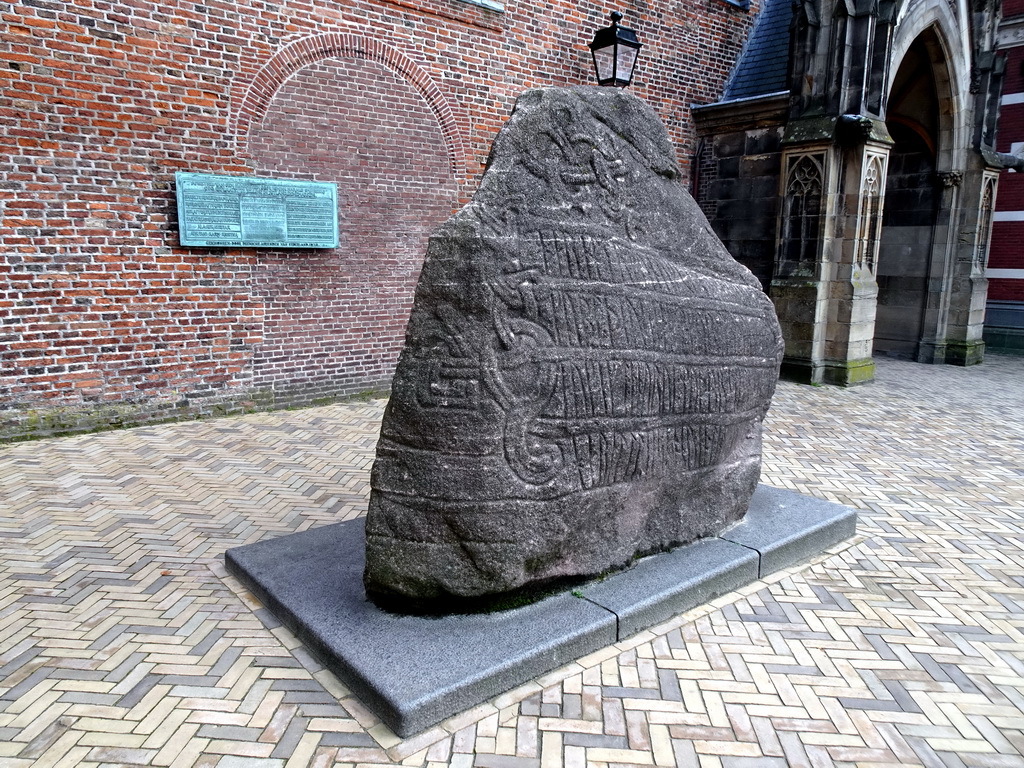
949 179
852 130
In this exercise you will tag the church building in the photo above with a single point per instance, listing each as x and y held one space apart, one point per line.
852 165
844 150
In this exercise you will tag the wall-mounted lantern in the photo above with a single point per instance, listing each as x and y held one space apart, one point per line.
615 50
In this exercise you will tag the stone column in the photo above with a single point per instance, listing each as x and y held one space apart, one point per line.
932 347
852 289
824 288
968 287
805 232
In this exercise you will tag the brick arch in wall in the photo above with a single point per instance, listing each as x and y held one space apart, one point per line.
333 321
308 50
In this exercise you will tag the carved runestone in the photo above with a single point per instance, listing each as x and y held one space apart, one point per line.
585 370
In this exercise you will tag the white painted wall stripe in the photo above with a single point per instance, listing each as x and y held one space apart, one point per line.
1012 98
1005 274
1008 216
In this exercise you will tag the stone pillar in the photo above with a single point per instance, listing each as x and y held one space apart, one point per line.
801 306
968 288
800 295
824 289
932 347
853 290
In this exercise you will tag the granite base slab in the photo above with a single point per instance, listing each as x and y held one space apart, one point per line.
657 588
412 671
415 671
786 528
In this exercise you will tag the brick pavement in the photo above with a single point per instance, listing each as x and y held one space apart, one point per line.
123 642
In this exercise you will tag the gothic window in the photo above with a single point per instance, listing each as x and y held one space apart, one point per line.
870 213
801 215
984 224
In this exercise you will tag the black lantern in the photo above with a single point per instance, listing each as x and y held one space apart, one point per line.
615 50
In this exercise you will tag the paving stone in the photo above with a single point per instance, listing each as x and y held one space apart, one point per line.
925 610
309 697
80 697
232 732
595 740
347 740
505 761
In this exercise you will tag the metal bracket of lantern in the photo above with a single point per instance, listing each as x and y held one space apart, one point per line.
615 50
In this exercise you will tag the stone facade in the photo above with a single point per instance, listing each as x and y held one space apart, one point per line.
870 157
106 320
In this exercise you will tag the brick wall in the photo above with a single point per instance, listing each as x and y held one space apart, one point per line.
106 320
355 122
1004 315
1004 250
1006 290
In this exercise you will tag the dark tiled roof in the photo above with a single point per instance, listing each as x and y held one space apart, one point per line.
764 61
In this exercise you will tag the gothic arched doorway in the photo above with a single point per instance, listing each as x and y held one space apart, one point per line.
911 204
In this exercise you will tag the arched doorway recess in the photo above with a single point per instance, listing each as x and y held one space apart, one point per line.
905 260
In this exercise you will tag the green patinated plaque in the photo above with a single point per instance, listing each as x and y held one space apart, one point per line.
248 212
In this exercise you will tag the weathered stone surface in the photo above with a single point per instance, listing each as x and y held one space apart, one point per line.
585 371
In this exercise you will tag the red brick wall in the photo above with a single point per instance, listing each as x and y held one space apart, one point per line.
1006 290
338 317
1005 251
1004 248
105 319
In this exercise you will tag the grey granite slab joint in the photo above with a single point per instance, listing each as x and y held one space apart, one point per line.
580 596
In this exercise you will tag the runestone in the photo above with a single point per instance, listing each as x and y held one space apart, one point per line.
585 372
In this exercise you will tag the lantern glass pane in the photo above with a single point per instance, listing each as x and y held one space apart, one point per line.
627 60
604 63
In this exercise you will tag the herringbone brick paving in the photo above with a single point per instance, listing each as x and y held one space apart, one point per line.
123 642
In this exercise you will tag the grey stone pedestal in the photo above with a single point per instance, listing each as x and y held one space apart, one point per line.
416 671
